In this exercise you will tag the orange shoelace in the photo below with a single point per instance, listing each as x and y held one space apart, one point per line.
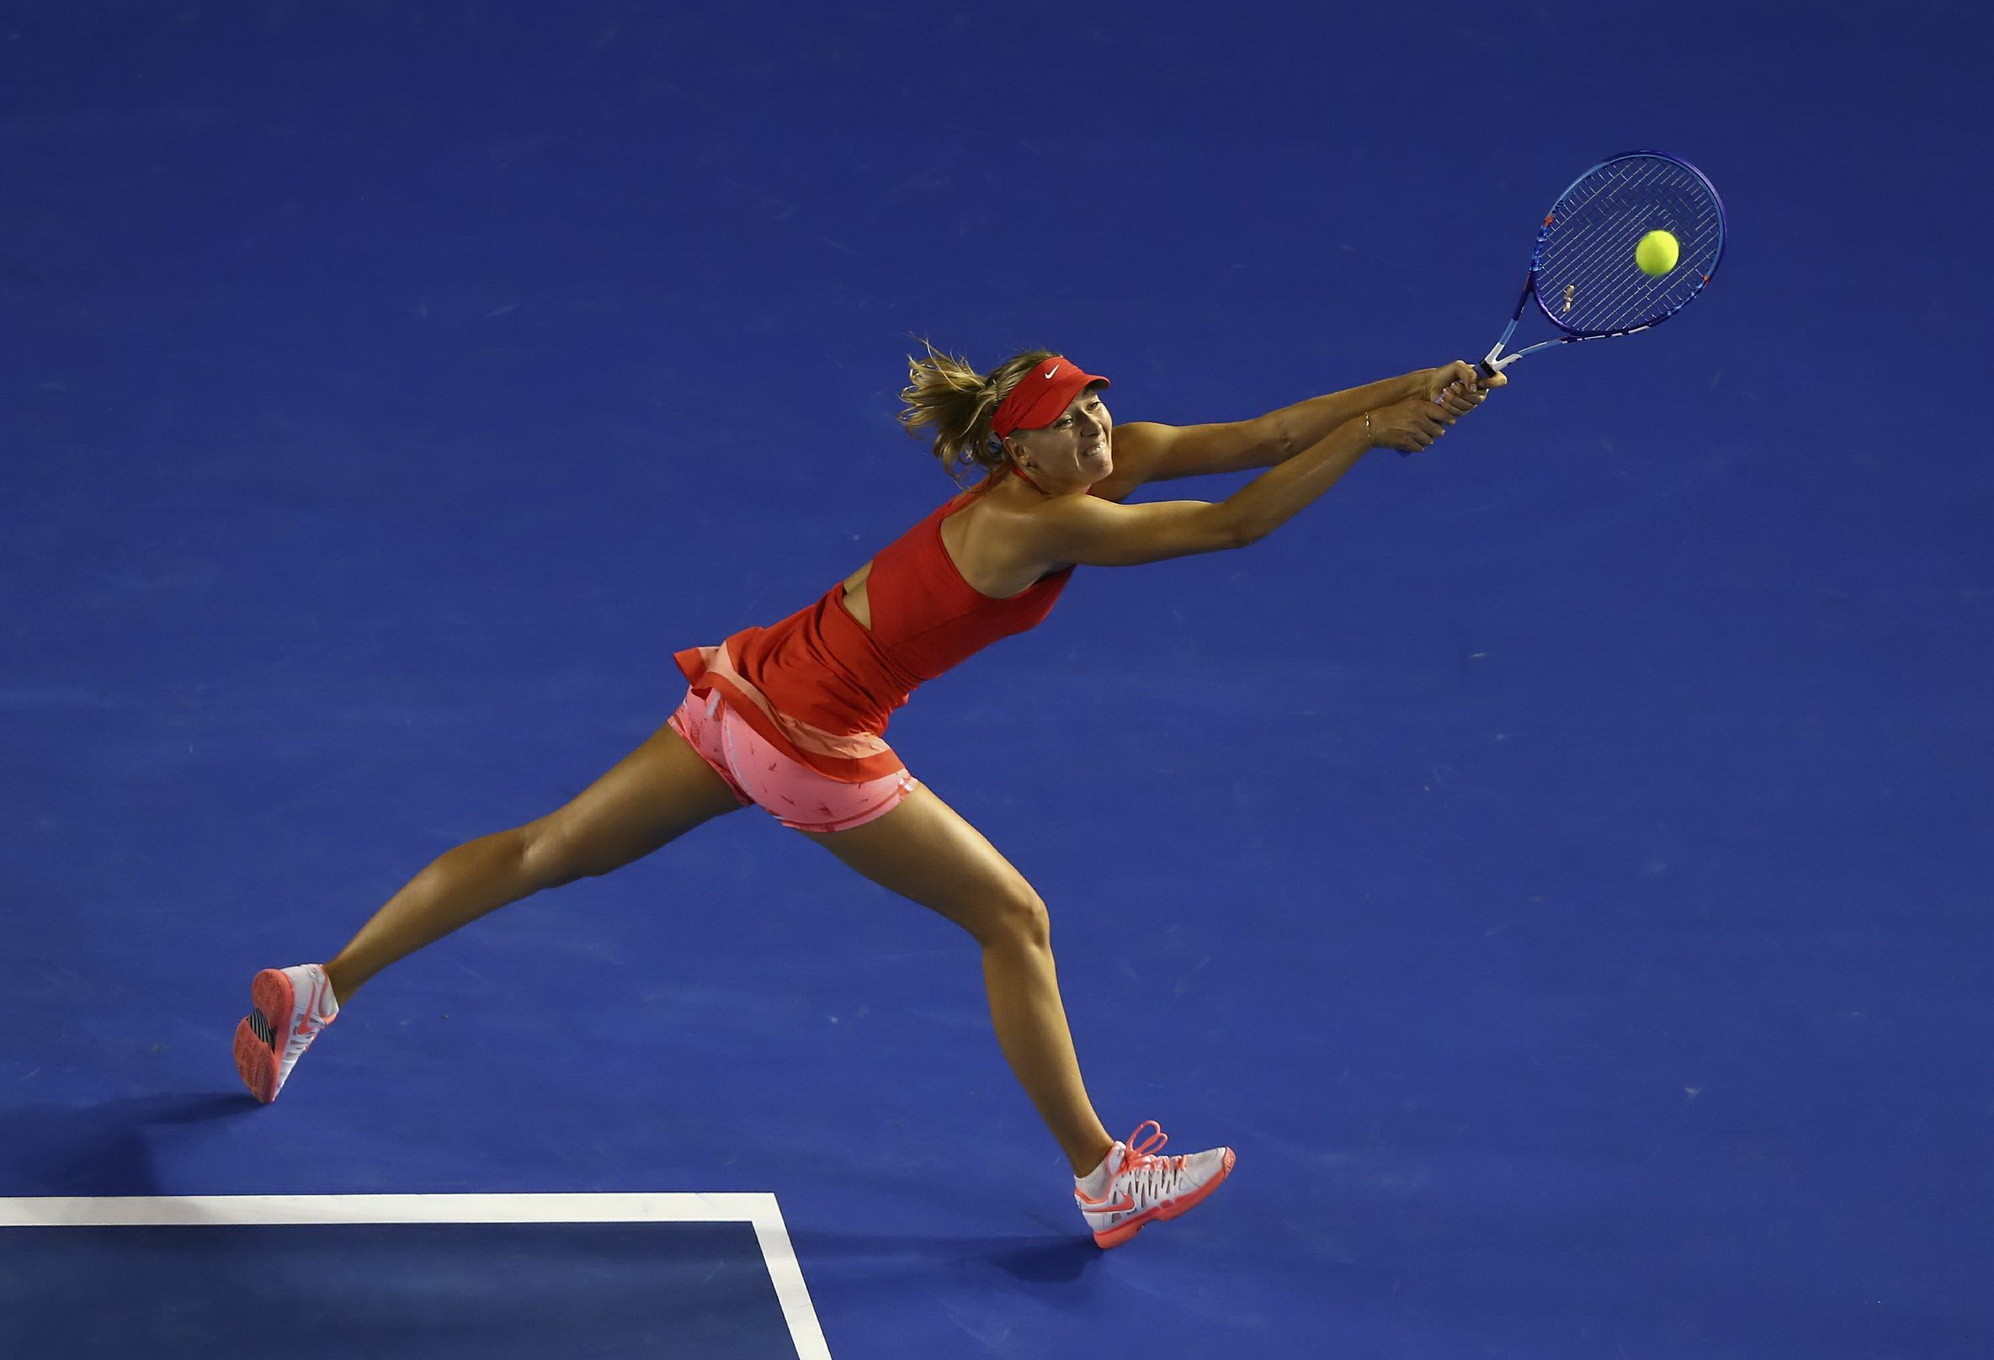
1140 1158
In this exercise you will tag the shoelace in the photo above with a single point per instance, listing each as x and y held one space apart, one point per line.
1148 1175
1141 1150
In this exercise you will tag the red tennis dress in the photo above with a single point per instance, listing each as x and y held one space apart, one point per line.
821 688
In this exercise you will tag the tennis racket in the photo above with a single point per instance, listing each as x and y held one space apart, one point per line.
1583 273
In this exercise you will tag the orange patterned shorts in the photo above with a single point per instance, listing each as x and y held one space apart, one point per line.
792 792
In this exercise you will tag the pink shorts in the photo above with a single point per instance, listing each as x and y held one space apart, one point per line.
796 795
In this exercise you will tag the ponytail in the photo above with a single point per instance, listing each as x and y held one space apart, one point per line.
946 395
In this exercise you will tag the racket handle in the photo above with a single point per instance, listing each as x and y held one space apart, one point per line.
1489 365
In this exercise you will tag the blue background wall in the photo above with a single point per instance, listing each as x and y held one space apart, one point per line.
1558 863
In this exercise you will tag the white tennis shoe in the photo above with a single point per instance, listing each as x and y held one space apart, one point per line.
292 1007
1143 1187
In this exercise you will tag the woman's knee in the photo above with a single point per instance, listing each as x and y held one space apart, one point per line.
550 856
1016 917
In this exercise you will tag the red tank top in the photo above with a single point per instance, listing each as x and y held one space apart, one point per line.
821 687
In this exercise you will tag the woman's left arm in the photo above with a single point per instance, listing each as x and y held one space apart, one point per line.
1148 452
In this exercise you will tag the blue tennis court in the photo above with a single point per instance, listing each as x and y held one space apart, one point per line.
1556 862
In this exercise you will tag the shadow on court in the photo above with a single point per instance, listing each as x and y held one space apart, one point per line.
893 1259
102 1149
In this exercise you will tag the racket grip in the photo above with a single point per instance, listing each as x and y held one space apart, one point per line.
1489 365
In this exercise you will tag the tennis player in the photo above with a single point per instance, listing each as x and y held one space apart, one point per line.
791 716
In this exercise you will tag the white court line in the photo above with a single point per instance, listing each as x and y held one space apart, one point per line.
208 1210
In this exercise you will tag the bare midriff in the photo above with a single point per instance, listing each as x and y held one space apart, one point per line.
856 603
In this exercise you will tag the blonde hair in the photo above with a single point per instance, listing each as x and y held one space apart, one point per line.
946 395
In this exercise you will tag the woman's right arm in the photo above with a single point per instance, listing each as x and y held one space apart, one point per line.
1099 533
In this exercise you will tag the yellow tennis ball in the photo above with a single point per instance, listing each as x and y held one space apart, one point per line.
1657 253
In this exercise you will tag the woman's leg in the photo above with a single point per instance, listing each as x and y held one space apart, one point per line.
925 851
655 794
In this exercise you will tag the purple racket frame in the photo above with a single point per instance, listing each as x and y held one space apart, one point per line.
1495 360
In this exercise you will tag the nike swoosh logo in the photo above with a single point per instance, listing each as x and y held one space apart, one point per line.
1094 1207
1050 371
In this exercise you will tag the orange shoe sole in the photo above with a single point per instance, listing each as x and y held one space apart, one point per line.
256 1037
255 1063
1170 1208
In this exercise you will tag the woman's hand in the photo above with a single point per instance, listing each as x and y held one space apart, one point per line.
1409 425
1459 386
1443 396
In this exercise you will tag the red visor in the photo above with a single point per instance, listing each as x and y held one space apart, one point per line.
1042 397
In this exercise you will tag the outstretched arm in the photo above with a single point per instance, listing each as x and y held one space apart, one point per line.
1149 452
1096 531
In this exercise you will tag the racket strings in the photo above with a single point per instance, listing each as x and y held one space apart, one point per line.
1617 207
1589 276
1600 288
1587 280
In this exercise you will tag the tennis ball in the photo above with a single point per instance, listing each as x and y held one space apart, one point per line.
1656 254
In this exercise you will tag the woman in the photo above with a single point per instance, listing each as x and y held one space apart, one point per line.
790 717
